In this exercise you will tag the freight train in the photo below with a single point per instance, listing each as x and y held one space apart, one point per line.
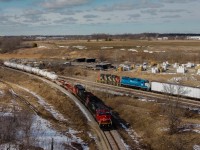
99 110
154 86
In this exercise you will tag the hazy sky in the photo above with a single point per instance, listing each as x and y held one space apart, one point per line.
56 17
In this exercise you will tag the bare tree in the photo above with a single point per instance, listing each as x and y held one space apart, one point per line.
172 107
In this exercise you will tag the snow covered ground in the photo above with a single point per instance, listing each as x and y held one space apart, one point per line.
42 132
42 135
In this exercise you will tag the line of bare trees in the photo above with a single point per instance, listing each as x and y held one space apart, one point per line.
9 44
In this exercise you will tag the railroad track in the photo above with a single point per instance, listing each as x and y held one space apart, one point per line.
114 140
137 93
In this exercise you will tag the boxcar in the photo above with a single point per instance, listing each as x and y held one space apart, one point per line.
175 89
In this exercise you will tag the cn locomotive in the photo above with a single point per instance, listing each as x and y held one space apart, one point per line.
99 110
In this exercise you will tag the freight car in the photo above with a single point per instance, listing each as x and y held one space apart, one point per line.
99 110
175 89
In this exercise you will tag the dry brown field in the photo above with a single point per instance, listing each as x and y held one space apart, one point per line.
149 120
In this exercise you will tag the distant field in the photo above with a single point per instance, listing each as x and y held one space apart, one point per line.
64 49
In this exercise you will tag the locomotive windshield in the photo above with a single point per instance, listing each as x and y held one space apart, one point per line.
104 112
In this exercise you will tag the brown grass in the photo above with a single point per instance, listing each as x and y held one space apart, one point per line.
149 120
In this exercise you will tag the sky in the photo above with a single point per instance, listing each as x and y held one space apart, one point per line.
84 17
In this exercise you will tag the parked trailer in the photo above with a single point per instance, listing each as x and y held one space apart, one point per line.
175 89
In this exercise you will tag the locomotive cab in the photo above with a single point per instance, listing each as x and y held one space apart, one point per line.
103 116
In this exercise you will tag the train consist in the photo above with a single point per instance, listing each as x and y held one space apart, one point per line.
99 110
124 81
168 88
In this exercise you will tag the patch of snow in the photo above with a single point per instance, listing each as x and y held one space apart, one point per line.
164 129
122 49
133 50
159 51
9 146
146 100
196 147
145 51
105 47
6 114
42 47
43 133
47 106
190 130
166 73
80 47
197 131
125 145
134 136
2 93
63 46
92 137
